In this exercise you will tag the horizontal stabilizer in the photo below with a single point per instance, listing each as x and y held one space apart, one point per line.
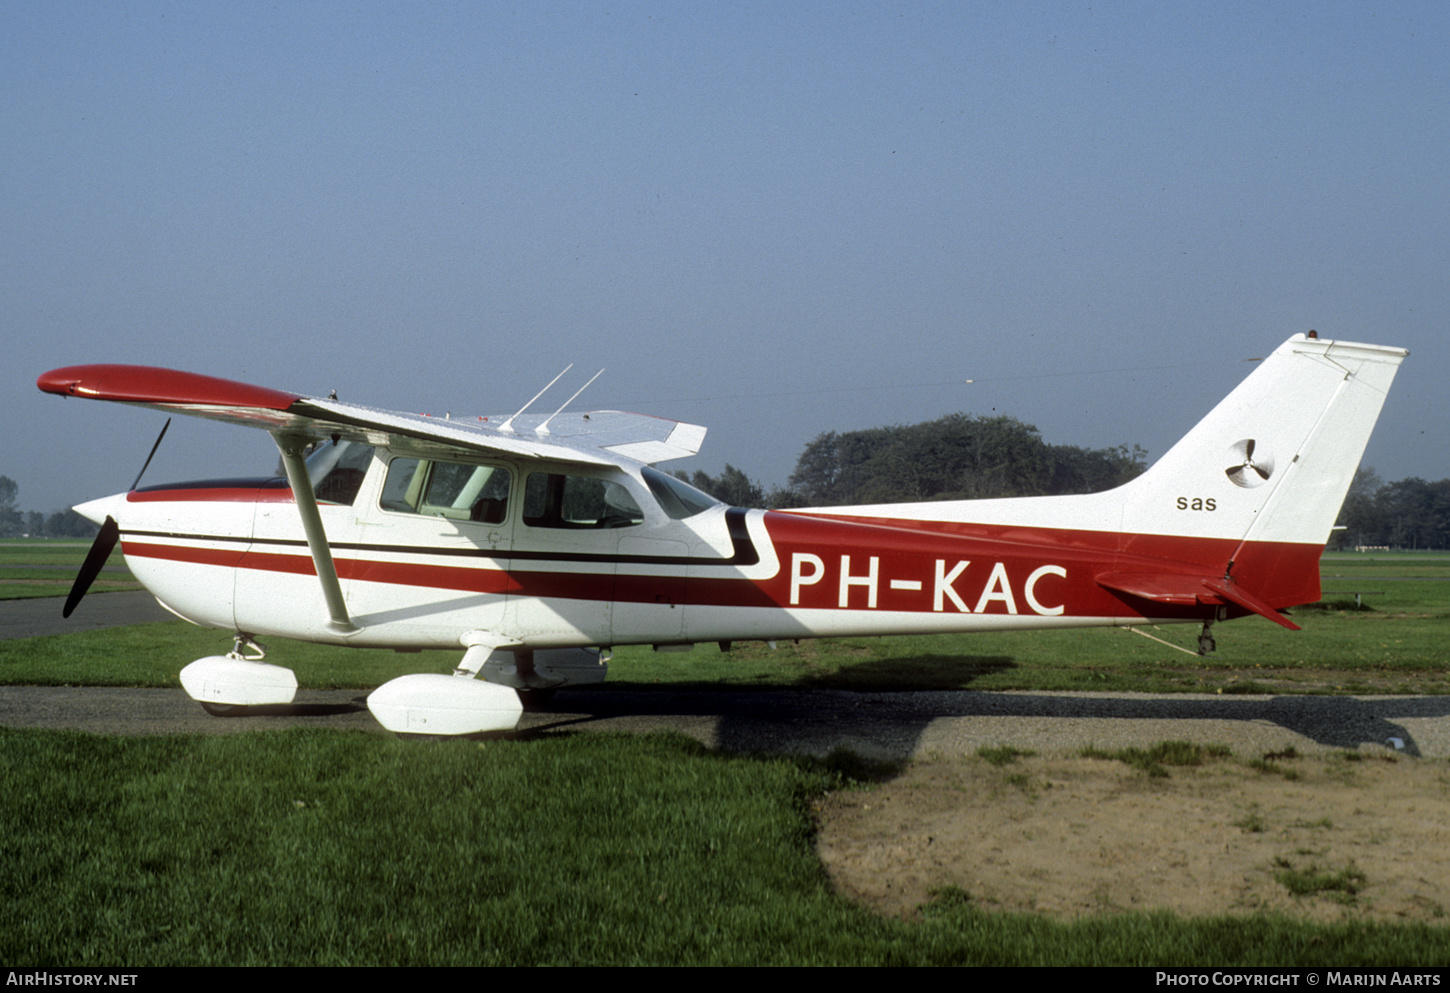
1181 590
1230 590
1175 589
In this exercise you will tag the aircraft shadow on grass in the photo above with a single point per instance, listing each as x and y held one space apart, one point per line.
865 709
893 723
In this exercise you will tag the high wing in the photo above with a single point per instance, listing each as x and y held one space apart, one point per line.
595 438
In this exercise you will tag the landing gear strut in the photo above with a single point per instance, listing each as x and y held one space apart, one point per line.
1206 645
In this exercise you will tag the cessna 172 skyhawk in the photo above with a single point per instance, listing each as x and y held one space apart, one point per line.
528 543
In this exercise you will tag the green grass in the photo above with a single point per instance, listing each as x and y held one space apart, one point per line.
1342 885
1337 565
1332 656
335 848
23 585
1003 755
61 559
346 848
1337 652
155 654
1272 764
1156 759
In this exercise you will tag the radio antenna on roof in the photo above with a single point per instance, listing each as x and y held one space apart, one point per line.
508 426
544 428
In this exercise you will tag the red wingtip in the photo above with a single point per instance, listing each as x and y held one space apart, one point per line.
148 384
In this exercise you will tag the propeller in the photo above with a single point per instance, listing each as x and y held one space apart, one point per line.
105 541
1249 471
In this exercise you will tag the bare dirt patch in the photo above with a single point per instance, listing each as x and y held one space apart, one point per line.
1072 836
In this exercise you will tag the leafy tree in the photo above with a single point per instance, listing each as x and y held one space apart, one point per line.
1415 514
69 524
785 498
732 487
1083 470
10 519
835 464
956 457
1408 513
1359 516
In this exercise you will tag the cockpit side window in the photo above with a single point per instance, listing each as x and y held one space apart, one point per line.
554 500
336 470
455 490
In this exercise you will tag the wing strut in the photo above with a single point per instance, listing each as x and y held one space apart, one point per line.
291 447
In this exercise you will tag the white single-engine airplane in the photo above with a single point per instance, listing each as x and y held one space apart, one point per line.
535 544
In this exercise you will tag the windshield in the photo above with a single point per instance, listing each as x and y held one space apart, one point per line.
677 498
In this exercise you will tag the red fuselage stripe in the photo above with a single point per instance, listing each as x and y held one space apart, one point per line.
955 576
826 562
1283 574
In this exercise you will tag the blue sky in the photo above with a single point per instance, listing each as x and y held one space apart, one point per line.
772 219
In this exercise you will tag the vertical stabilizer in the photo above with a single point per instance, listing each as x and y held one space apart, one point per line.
1274 460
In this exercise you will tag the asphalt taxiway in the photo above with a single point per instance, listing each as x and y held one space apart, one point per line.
31 618
887 726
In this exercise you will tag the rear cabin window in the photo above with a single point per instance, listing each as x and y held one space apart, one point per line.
455 490
554 500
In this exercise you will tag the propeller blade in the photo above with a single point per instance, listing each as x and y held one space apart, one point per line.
149 457
105 541
95 559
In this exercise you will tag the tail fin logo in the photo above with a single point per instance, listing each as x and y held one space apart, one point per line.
1250 468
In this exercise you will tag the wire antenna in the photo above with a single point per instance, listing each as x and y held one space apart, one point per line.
544 428
508 426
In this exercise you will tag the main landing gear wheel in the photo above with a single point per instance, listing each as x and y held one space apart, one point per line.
534 699
224 709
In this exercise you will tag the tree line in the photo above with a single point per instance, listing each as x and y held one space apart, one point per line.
1410 513
15 522
956 457
961 457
